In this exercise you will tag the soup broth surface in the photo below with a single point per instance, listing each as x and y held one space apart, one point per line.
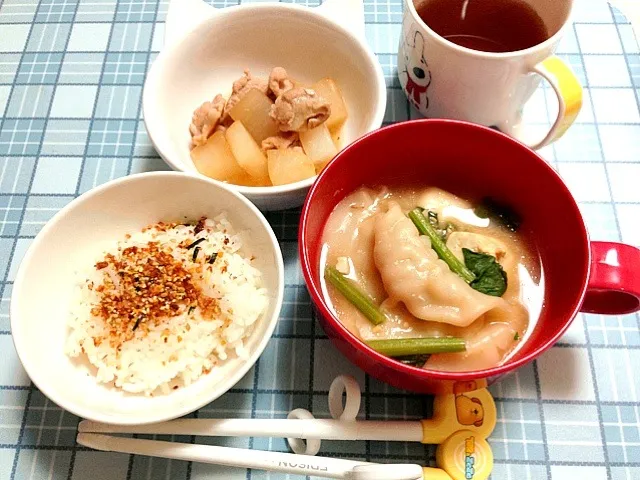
350 235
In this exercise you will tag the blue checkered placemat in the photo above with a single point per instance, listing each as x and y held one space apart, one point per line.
71 77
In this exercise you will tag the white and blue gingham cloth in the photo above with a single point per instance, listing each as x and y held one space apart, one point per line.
71 77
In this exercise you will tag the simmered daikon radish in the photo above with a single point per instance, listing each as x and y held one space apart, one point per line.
215 159
318 145
288 166
249 181
247 152
328 89
336 136
253 111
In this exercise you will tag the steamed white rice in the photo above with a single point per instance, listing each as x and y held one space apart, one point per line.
181 348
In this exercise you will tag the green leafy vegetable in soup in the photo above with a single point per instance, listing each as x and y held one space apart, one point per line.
354 294
418 346
491 278
481 271
433 219
442 231
425 228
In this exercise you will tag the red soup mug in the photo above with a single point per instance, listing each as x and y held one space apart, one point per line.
475 161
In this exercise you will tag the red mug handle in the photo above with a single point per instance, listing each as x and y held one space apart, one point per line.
614 283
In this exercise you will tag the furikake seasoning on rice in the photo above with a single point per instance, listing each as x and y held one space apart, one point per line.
166 305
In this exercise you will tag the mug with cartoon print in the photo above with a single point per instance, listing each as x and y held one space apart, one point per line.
443 79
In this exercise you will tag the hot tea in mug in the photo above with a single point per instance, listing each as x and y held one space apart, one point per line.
486 25
481 60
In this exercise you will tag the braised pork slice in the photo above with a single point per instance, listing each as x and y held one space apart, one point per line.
299 109
279 81
282 141
205 120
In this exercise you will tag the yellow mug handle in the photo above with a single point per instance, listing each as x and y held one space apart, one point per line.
569 92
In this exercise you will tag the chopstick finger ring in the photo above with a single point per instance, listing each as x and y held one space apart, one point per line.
303 446
343 385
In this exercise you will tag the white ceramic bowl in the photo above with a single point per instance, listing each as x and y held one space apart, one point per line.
195 66
82 230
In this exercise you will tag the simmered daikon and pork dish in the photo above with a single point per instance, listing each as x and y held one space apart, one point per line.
431 279
271 131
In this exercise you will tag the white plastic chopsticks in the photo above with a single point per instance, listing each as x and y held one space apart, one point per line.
239 457
460 425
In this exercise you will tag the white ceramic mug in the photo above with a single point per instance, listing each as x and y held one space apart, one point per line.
445 80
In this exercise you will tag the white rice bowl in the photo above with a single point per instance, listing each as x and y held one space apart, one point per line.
179 349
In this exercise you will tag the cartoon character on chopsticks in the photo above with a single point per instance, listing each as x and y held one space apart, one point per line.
416 70
469 410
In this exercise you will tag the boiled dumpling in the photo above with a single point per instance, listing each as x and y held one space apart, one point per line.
401 324
352 230
413 274
488 340
450 208
445 204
